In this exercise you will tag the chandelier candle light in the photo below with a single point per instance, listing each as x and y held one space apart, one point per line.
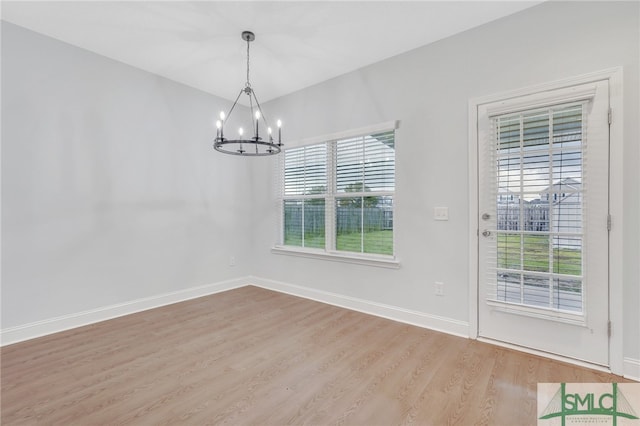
253 146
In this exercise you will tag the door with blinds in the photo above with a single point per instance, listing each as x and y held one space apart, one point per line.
543 234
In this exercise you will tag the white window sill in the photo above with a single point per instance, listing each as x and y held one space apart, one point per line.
368 260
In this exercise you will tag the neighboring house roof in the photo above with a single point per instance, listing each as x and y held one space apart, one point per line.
569 183
563 186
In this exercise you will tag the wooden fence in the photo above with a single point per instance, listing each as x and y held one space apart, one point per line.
348 219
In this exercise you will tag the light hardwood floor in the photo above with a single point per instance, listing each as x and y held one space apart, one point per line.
253 356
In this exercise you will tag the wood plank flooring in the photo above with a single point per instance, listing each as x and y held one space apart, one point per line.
253 356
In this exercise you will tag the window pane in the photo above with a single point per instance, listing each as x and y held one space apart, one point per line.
536 253
567 255
567 127
305 170
378 225
364 224
508 210
509 175
315 176
535 173
535 290
294 171
293 223
536 216
349 224
379 165
567 294
509 248
311 213
314 223
508 287
567 165
535 131
350 165
508 134
366 164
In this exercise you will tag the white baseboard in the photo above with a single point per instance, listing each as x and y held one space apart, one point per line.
434 322
632 369
66 322
420 319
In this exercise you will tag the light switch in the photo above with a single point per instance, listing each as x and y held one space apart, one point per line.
441 213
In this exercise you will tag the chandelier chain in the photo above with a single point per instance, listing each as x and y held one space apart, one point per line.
248 83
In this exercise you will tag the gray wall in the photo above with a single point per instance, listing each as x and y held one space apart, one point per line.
428 89
110 188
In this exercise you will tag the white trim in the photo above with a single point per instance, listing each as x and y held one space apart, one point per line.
419 319
344 134
632 369
474 226
54 325
344 257
542 100
616 197
616 299
543 354
592 77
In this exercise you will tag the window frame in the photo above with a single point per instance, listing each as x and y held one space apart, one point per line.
331 196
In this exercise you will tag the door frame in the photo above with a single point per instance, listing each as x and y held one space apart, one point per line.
616 300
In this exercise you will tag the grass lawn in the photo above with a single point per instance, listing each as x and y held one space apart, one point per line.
310 240
380 242
536 255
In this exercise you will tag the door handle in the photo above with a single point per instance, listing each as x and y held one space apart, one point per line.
486 233
485 216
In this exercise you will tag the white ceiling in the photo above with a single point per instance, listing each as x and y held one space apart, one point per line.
298 43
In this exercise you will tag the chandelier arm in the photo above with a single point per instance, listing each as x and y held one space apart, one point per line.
251 106
264 120
234 103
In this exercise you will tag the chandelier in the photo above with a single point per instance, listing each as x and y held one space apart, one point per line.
254 145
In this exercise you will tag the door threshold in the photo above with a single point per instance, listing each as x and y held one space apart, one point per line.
549 355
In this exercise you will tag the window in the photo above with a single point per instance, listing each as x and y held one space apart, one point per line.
338 195
305 189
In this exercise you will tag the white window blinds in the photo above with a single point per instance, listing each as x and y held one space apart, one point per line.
539 207
365 181
366 163
338 195
305 171
305 186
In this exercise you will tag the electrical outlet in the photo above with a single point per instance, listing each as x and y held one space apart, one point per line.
439 287
441 213
232 261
